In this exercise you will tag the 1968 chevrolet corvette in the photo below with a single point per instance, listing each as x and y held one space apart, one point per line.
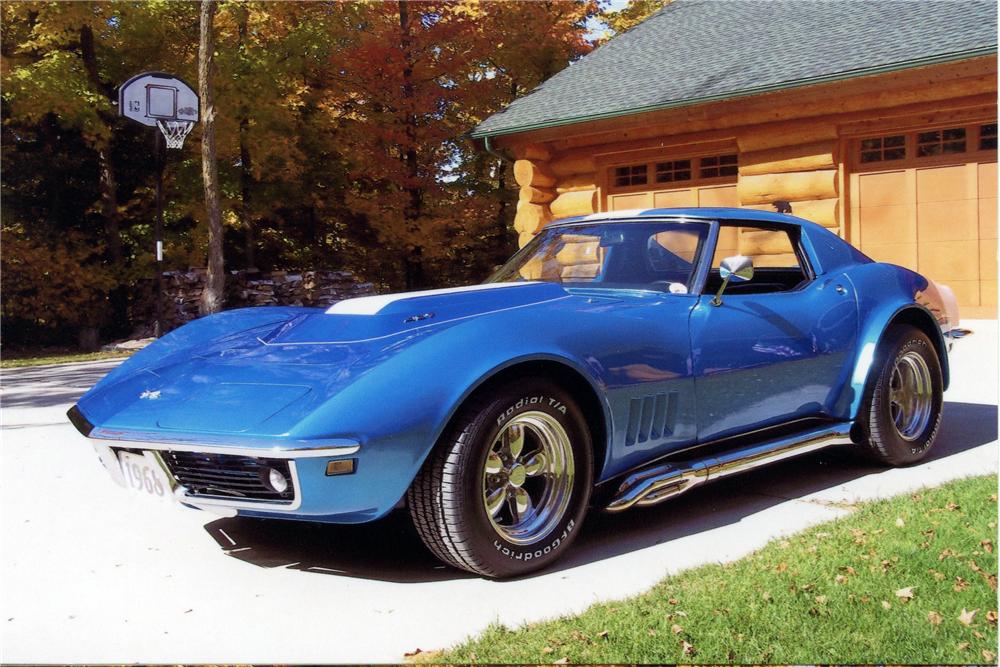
617 360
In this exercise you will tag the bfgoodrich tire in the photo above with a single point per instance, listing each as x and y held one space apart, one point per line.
505 491
903 408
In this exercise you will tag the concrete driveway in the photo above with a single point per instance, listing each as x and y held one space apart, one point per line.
92 574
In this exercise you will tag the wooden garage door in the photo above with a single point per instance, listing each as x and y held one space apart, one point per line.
719 194
927 200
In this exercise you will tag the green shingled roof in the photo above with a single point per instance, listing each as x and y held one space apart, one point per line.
696 51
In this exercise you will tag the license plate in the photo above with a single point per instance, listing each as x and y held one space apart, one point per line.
144 474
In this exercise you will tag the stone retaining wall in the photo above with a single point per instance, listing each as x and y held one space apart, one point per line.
183 289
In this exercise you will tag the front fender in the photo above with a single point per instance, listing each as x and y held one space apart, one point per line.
888 295
398 408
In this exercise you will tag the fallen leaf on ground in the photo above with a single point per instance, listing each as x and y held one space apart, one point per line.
548 649
652 632
688 648
603 634
962 646
767 596
820 599
978 635
960 584
840 579
965 618
934 618
905 594
676 629
899 522
673 601
991 617
886 605
561 661
989 656
987 546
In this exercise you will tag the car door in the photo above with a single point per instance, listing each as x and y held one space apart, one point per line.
777 347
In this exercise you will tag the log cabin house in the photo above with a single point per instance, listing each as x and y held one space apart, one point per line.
874 119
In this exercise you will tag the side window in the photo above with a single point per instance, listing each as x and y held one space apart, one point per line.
777 265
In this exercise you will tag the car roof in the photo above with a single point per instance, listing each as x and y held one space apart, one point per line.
743 214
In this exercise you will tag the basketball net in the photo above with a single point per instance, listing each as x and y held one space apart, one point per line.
175 131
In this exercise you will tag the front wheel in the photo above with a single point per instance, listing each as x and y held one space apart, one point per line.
903 411
504 493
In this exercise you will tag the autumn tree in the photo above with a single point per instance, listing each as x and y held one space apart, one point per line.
634 13
418 76
339 135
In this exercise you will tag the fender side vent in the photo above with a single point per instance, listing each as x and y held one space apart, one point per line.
651 418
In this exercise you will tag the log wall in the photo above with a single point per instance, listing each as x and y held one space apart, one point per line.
790 144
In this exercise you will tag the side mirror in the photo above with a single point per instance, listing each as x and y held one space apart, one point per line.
737 269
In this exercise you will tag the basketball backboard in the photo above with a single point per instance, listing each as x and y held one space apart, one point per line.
156 96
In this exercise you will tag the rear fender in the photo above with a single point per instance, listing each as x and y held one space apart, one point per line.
915 310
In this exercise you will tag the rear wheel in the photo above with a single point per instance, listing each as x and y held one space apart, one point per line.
505 492
903 410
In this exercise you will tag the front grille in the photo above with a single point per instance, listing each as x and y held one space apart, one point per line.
228 476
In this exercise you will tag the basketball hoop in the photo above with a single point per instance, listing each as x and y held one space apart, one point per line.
161 100
158 99
175 131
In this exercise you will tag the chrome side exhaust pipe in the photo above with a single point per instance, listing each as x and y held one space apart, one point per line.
666 480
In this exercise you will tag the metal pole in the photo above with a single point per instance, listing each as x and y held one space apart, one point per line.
158 231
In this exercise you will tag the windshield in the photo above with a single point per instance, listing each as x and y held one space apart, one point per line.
658 256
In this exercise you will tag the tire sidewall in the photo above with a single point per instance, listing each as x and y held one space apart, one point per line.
498 553
886 440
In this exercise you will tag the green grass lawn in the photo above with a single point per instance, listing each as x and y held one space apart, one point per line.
17 360
908 580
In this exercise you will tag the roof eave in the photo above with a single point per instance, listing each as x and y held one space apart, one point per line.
785 85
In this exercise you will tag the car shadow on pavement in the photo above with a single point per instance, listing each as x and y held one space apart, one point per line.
391 550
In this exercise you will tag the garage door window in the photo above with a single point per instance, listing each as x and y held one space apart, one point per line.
680 171
881 149
632 175
941 142
671 172
718 165
988 137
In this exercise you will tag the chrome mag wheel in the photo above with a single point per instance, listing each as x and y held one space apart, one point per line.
527 479
910 395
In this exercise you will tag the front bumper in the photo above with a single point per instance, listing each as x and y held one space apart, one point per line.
314 493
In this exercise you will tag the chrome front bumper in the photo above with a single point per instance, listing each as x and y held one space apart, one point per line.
106 441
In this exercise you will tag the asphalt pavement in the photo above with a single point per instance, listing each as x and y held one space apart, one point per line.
93 574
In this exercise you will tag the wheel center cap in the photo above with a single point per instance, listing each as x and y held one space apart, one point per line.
517 475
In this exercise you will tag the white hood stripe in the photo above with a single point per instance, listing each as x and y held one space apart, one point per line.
372 305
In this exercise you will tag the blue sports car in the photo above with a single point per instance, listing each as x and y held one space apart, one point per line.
617 360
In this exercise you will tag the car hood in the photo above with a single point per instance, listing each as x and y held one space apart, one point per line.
265 379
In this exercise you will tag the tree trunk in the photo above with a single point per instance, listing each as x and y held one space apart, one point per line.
118 295
414 269
212 297
246 190
246 169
